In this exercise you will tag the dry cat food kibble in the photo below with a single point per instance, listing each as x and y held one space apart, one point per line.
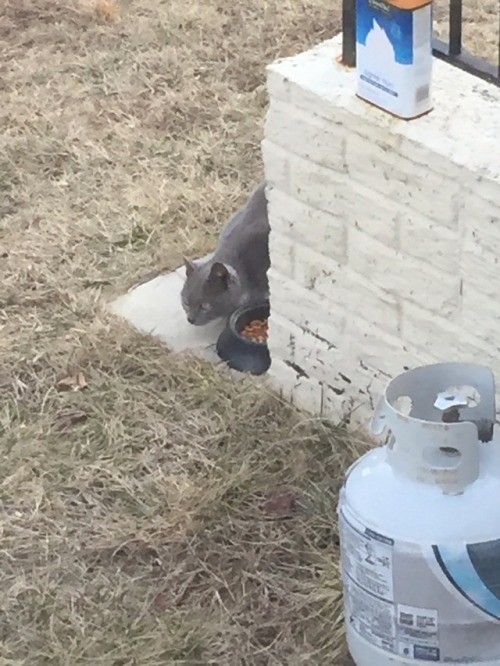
256 330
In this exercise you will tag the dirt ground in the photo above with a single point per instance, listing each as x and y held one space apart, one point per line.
154 512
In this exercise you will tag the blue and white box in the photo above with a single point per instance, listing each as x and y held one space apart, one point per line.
394 55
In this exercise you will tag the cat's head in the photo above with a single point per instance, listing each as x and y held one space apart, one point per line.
211 290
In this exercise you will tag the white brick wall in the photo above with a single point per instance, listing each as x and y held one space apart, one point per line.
385 234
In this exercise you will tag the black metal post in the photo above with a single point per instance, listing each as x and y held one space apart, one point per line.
455 27
452 51
349 33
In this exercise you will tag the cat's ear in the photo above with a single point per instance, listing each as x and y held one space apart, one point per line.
189 266
219 273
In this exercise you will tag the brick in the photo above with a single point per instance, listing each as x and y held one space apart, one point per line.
307 395
340 379
480 318
428 159
464 123
363 299
315 271
281 340
307 135
315 77
304 393
387 172
281 377
474 131
347 290
486 188
359 399
282 252
440 338
276 166
375 376
378 165
373 213
374 352
306 309
278 86
480 263
317 358
480 222
480 269
357 402
317 186
303 223
332 405
309 198
331 95
405 276
429 241
310 183
353 114
425 331
335 407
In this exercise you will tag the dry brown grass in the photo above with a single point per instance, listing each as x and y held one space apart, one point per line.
134 523
134 528
480 26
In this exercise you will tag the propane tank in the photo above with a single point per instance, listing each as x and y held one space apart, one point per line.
419 521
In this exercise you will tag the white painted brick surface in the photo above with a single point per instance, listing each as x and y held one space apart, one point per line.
385 234
311 137
443 339
398 273
480 319
399 179
307 181
480 266
306 309
298 389
302 223
445 243
283 249
315 357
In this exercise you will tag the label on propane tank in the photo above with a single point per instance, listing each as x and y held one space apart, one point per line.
421 603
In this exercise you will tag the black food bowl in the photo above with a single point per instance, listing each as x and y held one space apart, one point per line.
239 352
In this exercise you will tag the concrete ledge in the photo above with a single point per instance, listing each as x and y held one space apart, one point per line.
154 307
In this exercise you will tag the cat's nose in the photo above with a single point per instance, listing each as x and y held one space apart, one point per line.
190 319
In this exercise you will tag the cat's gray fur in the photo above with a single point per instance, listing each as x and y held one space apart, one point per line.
236 273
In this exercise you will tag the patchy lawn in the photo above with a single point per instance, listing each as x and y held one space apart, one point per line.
481 25
135 485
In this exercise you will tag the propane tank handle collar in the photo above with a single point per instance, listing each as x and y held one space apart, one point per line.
433 418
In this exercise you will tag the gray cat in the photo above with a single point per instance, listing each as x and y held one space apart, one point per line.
236 273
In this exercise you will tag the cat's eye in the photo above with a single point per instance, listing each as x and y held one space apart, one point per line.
205 307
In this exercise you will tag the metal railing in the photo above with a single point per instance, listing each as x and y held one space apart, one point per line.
451 51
